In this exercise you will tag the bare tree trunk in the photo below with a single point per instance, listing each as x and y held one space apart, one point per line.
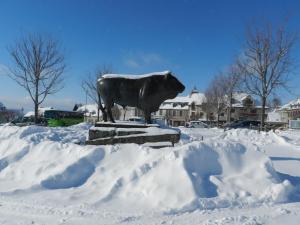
229 109
36 104
262 119
36 112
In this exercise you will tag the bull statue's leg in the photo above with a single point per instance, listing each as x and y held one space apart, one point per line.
104 115
109 112
147 117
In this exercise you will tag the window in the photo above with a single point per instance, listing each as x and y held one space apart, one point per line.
180 113
253 111
232 110
160 112
174 112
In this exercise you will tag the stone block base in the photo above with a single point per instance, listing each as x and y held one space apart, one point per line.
109 134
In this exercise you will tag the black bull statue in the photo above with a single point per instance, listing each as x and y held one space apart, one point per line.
144 92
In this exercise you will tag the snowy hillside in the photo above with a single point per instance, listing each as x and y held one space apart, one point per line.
239 176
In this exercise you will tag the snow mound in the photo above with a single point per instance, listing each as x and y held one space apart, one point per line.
253 137
208 174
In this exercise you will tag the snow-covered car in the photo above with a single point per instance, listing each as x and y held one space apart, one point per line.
197 124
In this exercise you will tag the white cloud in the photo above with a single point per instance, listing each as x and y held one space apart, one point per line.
142 59
132 63
151 58
3 70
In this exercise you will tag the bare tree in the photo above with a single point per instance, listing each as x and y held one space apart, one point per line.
266 61
231 81
208 106
38 67
89 85
215 96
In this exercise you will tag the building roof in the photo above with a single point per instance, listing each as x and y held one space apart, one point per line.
238 98
294 104
194 97
89 109
173 106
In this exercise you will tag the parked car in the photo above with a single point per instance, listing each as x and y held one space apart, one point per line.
136 119
243 124
197 124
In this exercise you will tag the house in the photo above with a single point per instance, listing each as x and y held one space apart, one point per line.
244 107
290 111
182 109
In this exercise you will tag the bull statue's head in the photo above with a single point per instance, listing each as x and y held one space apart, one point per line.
173 85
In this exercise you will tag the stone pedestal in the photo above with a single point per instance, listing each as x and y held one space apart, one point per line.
114 133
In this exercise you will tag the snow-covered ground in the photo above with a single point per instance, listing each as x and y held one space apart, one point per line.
210 177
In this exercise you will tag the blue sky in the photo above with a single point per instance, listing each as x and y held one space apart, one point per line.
194 39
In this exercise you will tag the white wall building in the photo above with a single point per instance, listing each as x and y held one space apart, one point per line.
182 109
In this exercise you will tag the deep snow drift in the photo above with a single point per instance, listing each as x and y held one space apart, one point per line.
47 176
225 170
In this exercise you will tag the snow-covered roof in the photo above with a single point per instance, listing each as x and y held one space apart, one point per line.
178 99
89 109
172 106
29 114
130 76
197 98
43 109
238 96
183 102
294 104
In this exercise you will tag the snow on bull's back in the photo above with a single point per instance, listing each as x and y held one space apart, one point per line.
129 76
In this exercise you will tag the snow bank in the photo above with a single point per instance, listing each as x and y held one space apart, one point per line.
207 174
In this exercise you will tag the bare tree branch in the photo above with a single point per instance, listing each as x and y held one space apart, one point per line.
89 85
